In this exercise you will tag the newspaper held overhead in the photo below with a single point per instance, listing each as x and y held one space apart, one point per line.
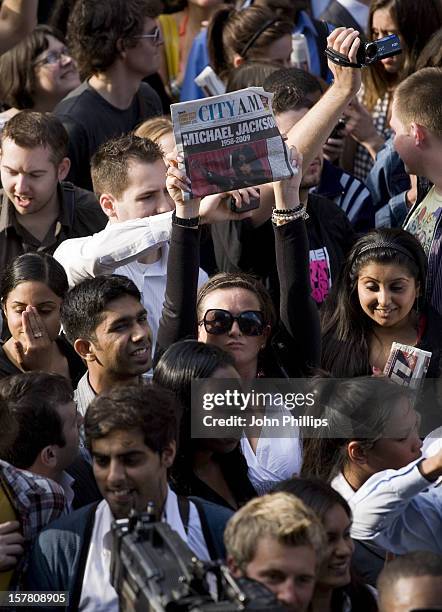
230 142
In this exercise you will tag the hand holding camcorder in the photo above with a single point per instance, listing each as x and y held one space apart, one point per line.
368 52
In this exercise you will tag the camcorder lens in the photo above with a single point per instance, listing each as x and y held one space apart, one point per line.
380 49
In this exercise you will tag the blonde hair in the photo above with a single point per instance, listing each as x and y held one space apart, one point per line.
281 516
155 128
417 99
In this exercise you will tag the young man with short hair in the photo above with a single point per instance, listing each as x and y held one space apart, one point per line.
47 441
116 45
104 320
38 209
129 176
131 433
417 122
411 582
278 541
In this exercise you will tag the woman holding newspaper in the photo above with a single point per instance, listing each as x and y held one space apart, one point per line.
235 312
376 320
378 300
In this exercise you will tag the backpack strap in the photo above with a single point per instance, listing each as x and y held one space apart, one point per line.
322 31
69 200
184 510
74 599
206 530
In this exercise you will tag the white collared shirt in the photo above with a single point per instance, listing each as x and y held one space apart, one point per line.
97 593
115 250
276 458
396 510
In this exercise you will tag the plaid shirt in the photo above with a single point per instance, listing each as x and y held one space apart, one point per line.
37 500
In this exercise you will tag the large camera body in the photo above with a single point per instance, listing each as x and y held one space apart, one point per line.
152 569
376 50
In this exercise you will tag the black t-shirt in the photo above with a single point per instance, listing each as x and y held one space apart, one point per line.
90 120
239 246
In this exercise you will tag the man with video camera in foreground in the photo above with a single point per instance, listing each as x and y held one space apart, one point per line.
131 433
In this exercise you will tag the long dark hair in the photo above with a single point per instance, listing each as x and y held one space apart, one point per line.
183 362
416 21
345 328
357 409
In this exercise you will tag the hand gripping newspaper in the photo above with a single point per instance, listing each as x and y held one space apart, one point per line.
230 142
407 365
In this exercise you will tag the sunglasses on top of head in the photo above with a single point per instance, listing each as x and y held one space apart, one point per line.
217 321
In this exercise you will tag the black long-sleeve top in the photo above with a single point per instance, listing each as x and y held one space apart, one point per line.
295 345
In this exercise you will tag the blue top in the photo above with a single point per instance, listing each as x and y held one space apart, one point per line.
388 183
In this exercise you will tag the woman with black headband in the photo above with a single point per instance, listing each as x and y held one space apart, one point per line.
253 33
379 299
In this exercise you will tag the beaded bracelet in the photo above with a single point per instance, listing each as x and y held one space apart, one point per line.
288 211
299 213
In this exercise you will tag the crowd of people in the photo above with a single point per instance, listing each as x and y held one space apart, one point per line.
119 290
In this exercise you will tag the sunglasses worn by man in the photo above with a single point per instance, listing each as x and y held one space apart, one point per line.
217 321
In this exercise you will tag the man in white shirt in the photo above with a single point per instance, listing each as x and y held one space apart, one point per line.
131 433
129 177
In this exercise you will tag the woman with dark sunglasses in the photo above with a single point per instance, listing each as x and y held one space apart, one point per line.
235 312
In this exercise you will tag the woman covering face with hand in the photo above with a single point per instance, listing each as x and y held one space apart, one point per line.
32 289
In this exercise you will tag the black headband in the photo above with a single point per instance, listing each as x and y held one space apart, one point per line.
385 244
256 35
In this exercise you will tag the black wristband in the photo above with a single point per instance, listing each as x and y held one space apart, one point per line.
193 222
288 211
339 59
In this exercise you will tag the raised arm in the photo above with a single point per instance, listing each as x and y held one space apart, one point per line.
298 313
398 510
17 19
311 132
178 319
117 245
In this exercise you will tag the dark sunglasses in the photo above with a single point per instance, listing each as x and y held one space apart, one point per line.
217 321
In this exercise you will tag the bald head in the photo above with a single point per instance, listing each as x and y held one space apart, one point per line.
411 582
